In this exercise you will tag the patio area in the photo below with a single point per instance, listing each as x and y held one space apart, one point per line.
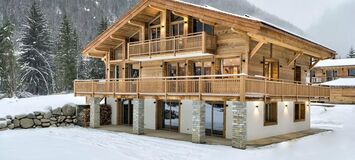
214 140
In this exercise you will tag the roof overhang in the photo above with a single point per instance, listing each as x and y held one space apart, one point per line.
257 30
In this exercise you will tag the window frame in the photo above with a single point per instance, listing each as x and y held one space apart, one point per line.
299 118
267 121
351 70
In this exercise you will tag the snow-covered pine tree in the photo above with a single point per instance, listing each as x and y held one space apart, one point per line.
66 59
35 60
97 66
8 65
351 53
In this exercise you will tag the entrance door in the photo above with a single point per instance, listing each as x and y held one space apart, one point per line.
171 115
127 112
298 73
214 122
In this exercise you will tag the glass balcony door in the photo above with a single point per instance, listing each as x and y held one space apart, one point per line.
171 116
214 122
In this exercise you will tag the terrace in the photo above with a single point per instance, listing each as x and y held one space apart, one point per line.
240 87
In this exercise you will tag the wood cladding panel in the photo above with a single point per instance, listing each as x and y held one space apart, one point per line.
342 95
230 43
283 56
152 69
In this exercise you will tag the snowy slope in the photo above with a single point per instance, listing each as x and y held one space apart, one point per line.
14 106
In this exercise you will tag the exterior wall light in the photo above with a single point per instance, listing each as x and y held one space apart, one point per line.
257 106
286 105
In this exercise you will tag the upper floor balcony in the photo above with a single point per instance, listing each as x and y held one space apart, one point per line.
182 46
219 87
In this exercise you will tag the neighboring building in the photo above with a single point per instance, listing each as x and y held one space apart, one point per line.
197 70
332 69
342 90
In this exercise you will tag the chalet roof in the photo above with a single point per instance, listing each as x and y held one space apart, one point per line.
255 19
341 82
336 63
257 29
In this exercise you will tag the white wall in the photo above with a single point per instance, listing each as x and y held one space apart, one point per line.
149 113
112 102
186 117
285 119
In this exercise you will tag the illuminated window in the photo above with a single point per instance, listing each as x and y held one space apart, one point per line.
300 112
270 114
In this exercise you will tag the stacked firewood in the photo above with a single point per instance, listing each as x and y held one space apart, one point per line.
84 115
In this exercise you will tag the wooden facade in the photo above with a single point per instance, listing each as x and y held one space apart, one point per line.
169 49
325 74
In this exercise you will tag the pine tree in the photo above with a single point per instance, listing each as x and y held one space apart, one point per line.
351 53
97 66
35 60
66 59
7 60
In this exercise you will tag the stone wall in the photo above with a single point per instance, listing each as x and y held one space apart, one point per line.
59 117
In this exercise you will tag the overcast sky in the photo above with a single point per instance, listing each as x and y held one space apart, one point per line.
302 13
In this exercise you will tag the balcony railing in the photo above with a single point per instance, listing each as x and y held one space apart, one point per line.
196 42
200 86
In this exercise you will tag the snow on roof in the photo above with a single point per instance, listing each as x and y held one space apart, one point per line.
336 62
254 19
341 82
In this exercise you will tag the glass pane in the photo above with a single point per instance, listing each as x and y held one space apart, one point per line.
166 115
197 26
208 29
174 115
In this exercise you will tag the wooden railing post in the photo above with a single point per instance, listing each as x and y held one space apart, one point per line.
265 89
242 88
114 88
199 88
174 46
137 87
165 88
204 42
74 88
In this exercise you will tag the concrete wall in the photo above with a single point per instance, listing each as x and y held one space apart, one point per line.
285 118
112 102
150 113
186 117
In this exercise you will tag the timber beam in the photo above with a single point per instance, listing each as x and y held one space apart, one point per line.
314 64
294 58
256 48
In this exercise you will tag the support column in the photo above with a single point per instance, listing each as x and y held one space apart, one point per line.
198 122
115 110
239 130
94 112
138 116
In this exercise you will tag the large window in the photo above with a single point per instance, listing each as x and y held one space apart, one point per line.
351 72
270 114
154 28
200 27
300 112
176 25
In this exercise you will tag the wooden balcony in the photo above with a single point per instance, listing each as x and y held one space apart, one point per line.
192 45
221 87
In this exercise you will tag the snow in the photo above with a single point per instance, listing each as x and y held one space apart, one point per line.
15 106
336 62
91 144
341 82
87 9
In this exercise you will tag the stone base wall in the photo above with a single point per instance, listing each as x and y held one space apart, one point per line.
59 117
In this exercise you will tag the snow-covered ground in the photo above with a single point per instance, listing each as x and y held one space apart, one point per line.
90 144
13 106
